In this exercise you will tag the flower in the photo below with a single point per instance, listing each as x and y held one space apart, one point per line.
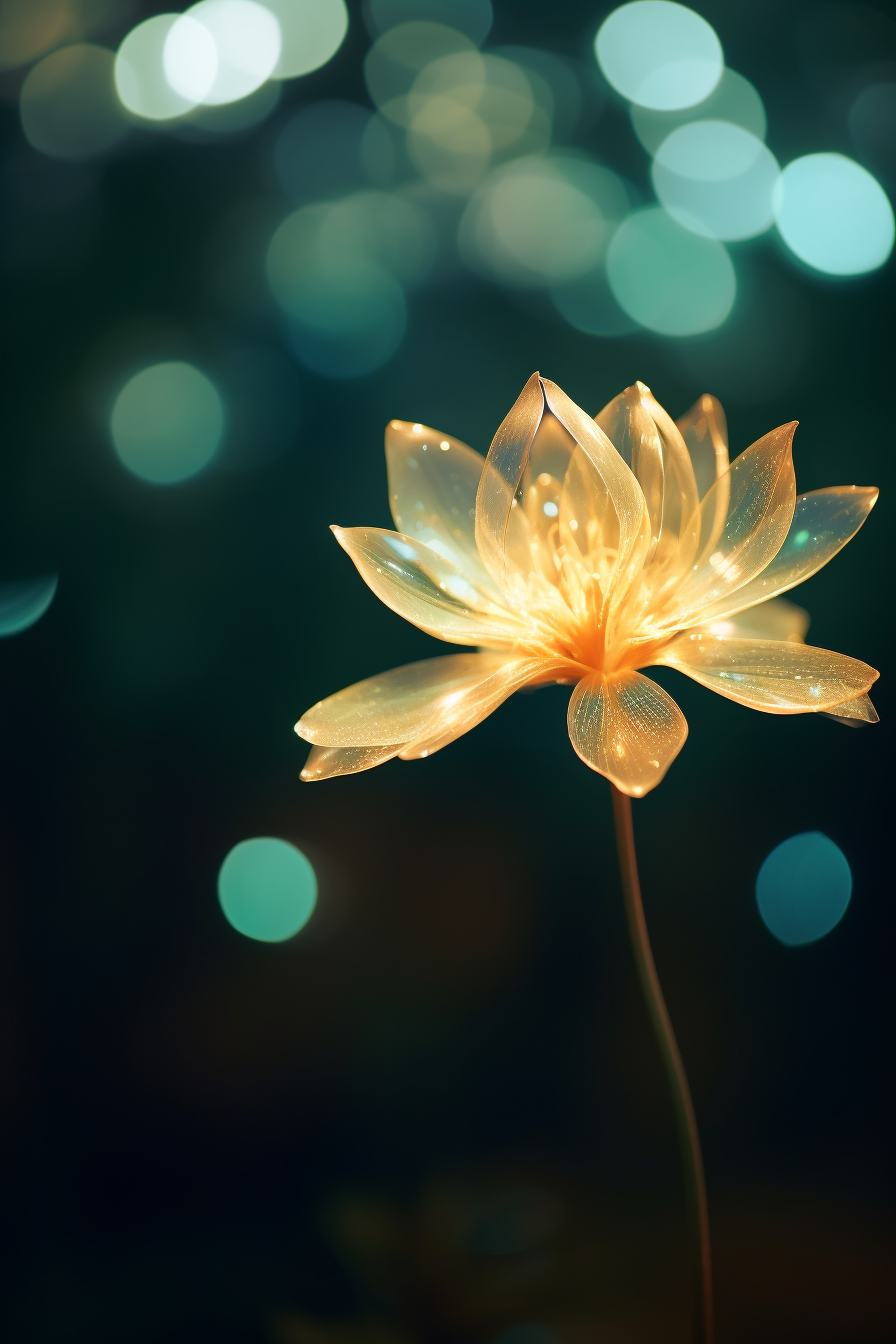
580 551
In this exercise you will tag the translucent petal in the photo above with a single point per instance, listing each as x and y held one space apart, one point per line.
459 713
774 619
327 762
627 728
427 589
823 522
680 533
780 677
646 436
761 494
634 435
604 527
705 433
433 480
502 473
854 712
532 541
397 706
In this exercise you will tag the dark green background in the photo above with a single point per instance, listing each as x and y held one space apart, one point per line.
195 1126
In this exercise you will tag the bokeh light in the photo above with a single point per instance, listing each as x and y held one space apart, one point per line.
347 319
733 99
231 118
659 54
267 889
246 37
588 304
28 28
472 17
716 179
803 888
167 423
23 603
555 86
542 221
872 125
311 32
140 77
68 103
834 215
329 148
338 272
391 230
667 278
466 109
190 58
397 57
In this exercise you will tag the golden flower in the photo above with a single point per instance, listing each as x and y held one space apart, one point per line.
581 551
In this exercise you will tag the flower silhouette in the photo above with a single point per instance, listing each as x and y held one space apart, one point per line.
581 551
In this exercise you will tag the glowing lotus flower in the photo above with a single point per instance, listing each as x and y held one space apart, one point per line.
580 551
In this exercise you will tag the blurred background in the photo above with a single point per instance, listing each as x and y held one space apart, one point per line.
421 1102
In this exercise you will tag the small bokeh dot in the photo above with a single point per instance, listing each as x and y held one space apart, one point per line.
267 889
803 888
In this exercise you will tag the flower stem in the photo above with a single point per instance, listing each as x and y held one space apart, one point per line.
688 1138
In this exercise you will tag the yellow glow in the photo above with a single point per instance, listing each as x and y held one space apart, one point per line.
581 551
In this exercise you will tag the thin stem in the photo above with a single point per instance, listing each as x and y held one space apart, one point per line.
688 1138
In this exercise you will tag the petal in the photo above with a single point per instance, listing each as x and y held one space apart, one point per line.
544 433
646 435
426 589
761 495
604 525
464 710
627 728
502 473
327 762
532 542
397 706
854 712
774 675
823 522
633 433
680 534
433 480
775 619
705 433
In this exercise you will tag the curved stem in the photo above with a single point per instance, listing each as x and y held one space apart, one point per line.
688 1138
